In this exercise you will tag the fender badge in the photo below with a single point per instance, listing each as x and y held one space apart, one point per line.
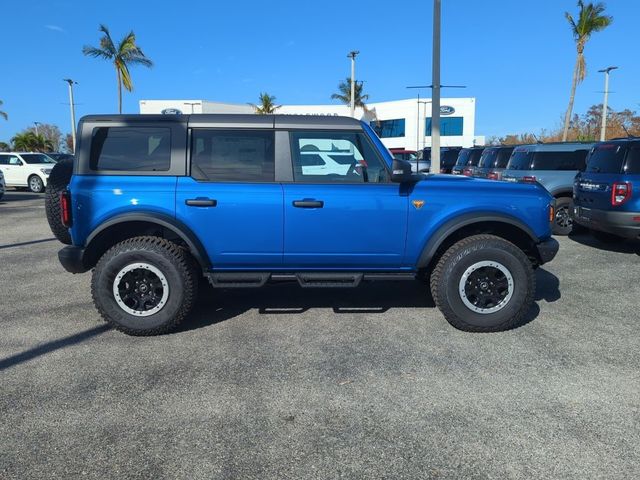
418 204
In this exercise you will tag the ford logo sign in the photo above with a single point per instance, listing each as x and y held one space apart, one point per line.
447 110
171 111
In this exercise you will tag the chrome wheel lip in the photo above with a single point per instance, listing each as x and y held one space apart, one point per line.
473 268
144 266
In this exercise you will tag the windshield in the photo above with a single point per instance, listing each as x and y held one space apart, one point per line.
606 158
488 157
521 159
448 158
36 158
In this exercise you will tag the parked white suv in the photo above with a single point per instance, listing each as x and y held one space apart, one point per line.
26 170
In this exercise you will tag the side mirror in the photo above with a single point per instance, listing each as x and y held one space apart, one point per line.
401 172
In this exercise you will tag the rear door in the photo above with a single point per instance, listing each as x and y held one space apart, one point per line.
348 220
231 200
605 166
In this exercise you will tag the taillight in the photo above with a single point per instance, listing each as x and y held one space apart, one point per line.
65 209
493 176
620 193
529 179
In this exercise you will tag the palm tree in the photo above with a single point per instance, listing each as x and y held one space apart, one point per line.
3 114
122 55
345 94
30 142
267 104
590 20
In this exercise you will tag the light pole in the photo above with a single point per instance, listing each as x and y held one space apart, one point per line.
352 102
192 104
603 131
36 124
435 81
72 107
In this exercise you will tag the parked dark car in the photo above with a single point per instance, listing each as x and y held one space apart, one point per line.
607 194
468 157
492 162
554 166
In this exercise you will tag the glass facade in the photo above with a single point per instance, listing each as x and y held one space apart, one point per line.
449 126
388 128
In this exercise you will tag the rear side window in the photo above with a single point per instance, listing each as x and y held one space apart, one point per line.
632 165
606 158
521 159
233 155
138 149
559 160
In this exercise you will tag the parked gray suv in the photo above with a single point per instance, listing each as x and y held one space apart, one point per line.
554 166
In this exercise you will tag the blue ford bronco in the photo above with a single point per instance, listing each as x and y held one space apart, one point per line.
153 204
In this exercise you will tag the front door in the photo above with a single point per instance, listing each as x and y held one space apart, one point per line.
13 170
231 201
341 212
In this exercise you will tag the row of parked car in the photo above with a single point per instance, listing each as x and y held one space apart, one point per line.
27 169
593 183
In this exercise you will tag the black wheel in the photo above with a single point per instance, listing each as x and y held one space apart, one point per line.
36 185
563 221
58 182
605 237
483 284
144 286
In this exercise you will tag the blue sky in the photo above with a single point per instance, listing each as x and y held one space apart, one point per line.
515 56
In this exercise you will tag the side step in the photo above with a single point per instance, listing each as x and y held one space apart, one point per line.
319 280
238 279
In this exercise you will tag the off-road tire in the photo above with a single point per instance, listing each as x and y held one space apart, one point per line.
36 185
57 183
449 270
565 205
170 259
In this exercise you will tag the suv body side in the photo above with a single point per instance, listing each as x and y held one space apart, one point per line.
610 164
17 170
251 225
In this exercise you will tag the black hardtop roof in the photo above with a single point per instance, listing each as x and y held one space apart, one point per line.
236 120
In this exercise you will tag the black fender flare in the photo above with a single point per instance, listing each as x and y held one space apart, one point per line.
452 225
562 191
176 226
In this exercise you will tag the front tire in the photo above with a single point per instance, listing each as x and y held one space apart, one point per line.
144 286
36 185
563 221
483 283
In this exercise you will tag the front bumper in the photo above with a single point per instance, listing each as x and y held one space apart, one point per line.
72 259
622 224
547 250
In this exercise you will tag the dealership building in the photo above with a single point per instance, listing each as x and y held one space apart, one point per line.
402 124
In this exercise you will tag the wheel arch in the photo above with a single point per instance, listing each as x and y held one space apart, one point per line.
562 193
503 226
122 227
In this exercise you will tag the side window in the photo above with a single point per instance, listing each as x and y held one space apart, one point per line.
233 155
4 159
13 160
334 157
131 149
559 160
632 164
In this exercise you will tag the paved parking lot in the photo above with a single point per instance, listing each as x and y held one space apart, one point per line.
290 383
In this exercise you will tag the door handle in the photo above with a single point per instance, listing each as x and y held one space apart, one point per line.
308 203
201 202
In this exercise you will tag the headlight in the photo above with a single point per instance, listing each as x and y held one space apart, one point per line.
46 171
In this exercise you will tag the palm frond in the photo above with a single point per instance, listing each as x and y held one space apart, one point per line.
106 42
94 52
126 76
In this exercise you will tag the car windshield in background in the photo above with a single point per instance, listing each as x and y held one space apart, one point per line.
488 157
606 158
36 158
463 157
448 158
520 160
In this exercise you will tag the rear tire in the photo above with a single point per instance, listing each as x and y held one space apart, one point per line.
36 185
563 221
58 181
144 286
483 283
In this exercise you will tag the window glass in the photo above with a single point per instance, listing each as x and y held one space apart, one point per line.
37 158
606 158
388 128
521 159
136 149
235 155
346 157
502 158
488 157
449 126
632 165
4 159
448 158
559 160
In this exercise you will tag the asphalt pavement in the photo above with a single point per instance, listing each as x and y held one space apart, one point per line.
282 382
